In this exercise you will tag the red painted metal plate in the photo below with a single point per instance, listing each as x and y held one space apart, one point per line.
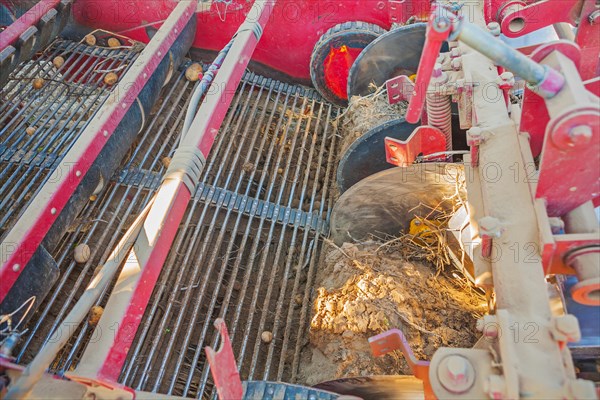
424 140
535 117
569 168
399 89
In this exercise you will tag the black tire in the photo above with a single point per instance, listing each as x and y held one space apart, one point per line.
354 34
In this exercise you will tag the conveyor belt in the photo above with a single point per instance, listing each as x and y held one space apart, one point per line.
246 250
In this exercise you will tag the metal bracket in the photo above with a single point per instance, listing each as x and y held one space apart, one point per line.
424 140
399 89
517 20
223 367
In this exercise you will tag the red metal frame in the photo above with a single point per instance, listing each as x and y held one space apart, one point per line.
223 367
424 140
12 33
28 233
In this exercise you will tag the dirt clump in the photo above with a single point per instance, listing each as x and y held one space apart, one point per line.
367 289
367 112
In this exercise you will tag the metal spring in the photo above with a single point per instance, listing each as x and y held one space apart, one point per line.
439 115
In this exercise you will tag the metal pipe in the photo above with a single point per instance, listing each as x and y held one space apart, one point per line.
501 53
204 85
544 80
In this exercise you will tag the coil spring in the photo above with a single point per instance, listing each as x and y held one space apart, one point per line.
439 115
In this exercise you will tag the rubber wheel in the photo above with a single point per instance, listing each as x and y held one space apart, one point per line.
335 53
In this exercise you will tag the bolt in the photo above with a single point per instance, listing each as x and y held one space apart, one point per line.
568 325
556 225
16 267
580 135
488 326
456 64
456 374
457 369
437 70
506 80
474 135
494 28
441 24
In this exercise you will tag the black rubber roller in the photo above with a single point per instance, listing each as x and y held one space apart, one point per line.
335 53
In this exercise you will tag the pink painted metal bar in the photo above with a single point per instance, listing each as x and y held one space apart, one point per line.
22 241
11 34
438 30
134 286
222 365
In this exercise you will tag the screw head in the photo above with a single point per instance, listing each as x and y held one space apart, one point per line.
455 52
494 28
456 64
456 374
490 226
581 134
474 136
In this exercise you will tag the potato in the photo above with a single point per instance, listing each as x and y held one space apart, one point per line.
95 315
114 42
192 73
90 40
111 78
38 83
266 337
166 161
58 62
30 130
82 253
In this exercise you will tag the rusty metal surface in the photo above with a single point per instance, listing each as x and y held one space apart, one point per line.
245 251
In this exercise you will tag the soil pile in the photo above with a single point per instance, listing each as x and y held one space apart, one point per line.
365 290
366 113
